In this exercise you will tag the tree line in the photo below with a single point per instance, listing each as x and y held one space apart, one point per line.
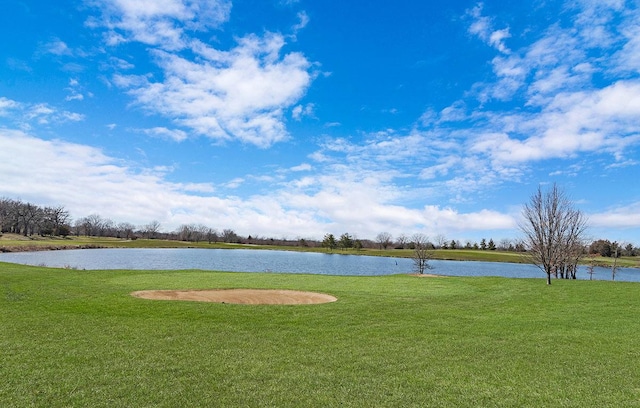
384 240
20 217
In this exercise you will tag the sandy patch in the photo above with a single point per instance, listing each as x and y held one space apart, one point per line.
239 296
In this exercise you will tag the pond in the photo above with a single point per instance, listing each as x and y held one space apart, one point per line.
251 260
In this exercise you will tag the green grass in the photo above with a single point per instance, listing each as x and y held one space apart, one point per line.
73 338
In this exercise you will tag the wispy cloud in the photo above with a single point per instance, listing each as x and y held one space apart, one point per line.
172 134
302 23
482 27
26 115
567 112
76 91
300 111
56 47
6 105
158 23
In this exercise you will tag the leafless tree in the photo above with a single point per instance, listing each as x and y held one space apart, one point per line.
229 236
440 241
422 253
505 244
91 225
614 267
185 232
200 232
384 240
125 230
56 217
151 229
591 268
402 241
29 216
553 231
212 235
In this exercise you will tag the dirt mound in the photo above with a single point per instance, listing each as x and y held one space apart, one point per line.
239 296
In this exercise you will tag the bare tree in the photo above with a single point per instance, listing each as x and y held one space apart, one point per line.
212 235
57 217
29 216
151 229
591 268
229 236
505 244
200 232
614 267
402 240
185 232
440 241
125 230
553 231
383 239
422 253
92 225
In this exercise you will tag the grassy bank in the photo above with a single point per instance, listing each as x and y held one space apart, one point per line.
76 338
13 242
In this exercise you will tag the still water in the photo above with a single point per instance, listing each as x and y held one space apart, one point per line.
248 260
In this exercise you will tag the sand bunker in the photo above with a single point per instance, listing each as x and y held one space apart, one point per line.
239 296
427 275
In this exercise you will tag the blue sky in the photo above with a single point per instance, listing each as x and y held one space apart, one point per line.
285 118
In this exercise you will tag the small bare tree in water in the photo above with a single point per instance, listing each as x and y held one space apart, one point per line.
422 253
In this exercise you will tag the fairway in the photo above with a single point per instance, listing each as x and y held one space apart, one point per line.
73 338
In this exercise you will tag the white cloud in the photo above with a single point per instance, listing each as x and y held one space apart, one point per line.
75 91
240 94
496 39
237 94
300 111
57 47
86 181
7 105
235 183
627 59
564 112
623 217
45 114
173 134
74 97
159 23
301 167
482 27
453 113
443 168
302 23
26 115
602 120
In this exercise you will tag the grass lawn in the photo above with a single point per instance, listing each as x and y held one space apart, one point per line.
73 338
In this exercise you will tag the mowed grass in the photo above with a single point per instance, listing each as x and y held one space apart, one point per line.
71 338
